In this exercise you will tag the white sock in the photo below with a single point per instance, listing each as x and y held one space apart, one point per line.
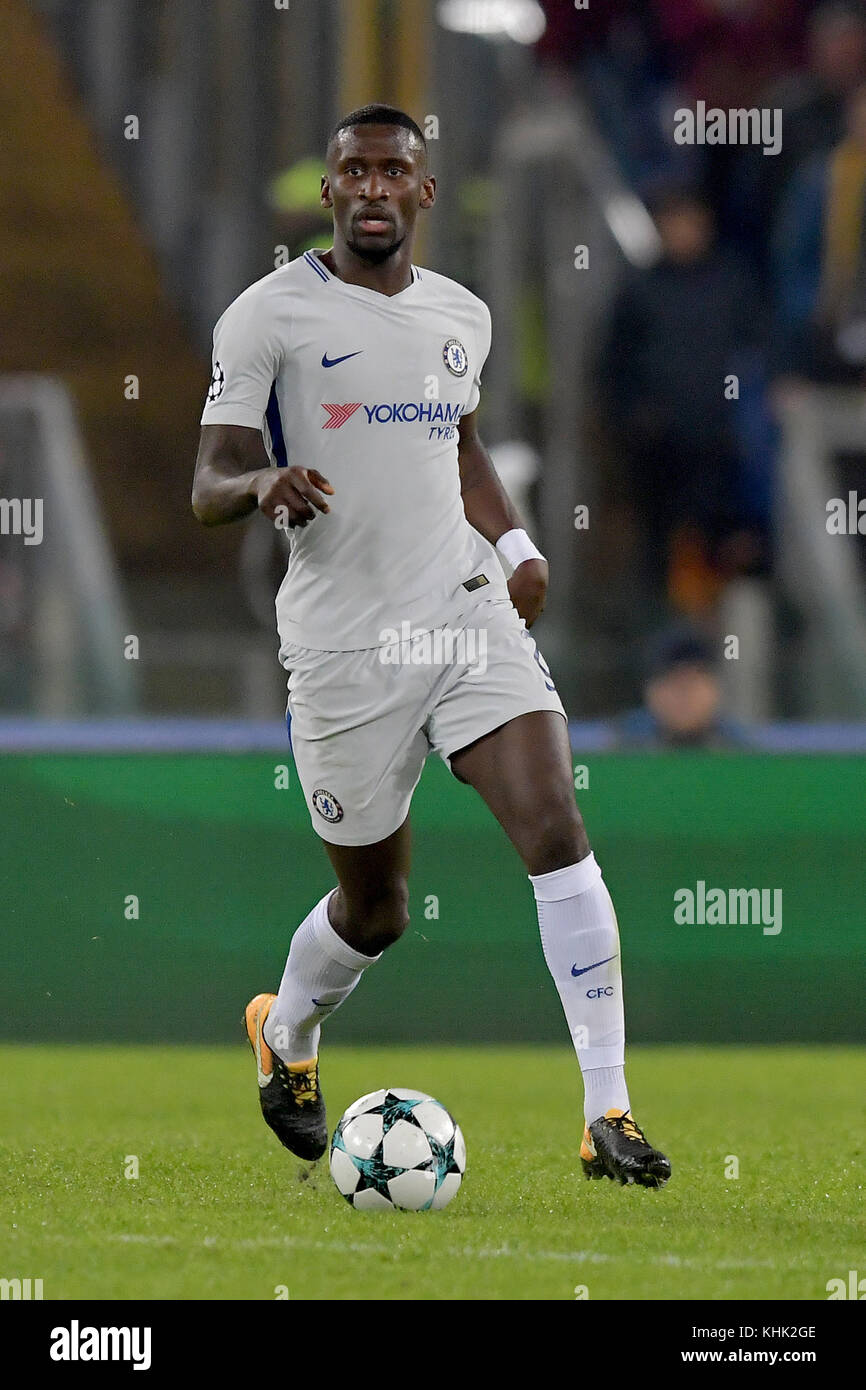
321 971
580 938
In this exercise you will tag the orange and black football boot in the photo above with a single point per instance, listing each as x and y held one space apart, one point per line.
615 1147
289 1093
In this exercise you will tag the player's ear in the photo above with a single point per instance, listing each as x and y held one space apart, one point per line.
325 195
428 192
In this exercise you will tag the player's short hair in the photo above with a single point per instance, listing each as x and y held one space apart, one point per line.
378 113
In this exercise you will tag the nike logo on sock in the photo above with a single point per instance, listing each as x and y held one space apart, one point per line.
575 972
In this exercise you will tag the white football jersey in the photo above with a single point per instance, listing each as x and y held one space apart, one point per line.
369 389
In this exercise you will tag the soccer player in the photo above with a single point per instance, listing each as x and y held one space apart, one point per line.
343 406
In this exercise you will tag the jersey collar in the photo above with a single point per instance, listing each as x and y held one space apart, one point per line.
314 261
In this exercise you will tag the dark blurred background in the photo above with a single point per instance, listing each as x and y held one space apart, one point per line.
676 388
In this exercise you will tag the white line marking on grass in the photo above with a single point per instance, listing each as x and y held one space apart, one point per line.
503 1252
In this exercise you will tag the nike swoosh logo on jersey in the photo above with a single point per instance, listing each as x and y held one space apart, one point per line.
335 361
263 1079
575 972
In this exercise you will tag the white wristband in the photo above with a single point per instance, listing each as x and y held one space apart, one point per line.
515 547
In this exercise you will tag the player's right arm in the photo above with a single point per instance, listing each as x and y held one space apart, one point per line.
233 473
233 477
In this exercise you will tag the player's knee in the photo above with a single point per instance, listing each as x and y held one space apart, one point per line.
379 918
558 838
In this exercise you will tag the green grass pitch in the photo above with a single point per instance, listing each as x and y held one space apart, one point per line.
220 1211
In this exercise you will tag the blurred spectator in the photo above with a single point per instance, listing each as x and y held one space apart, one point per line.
813 99
682 699
639 60
819 261
675 334
571 34
725 52
615 50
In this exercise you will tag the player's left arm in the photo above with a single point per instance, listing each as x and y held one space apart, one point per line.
490 510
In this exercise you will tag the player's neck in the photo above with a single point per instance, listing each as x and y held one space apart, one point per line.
389 277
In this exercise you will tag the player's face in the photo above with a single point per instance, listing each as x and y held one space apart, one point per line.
376 183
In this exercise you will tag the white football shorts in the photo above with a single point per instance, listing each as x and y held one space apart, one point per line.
363 722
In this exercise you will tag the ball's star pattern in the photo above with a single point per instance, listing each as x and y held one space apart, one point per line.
393 1109
374 1173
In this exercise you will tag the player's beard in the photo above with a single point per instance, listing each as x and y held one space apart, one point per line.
375 255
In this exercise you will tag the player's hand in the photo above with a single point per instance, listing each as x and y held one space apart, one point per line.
528 589
292 496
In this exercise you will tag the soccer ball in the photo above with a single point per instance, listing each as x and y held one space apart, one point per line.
398 1148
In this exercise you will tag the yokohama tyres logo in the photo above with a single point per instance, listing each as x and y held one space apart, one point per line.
339 414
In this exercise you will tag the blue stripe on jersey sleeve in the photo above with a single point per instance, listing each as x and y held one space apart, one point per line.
275 425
